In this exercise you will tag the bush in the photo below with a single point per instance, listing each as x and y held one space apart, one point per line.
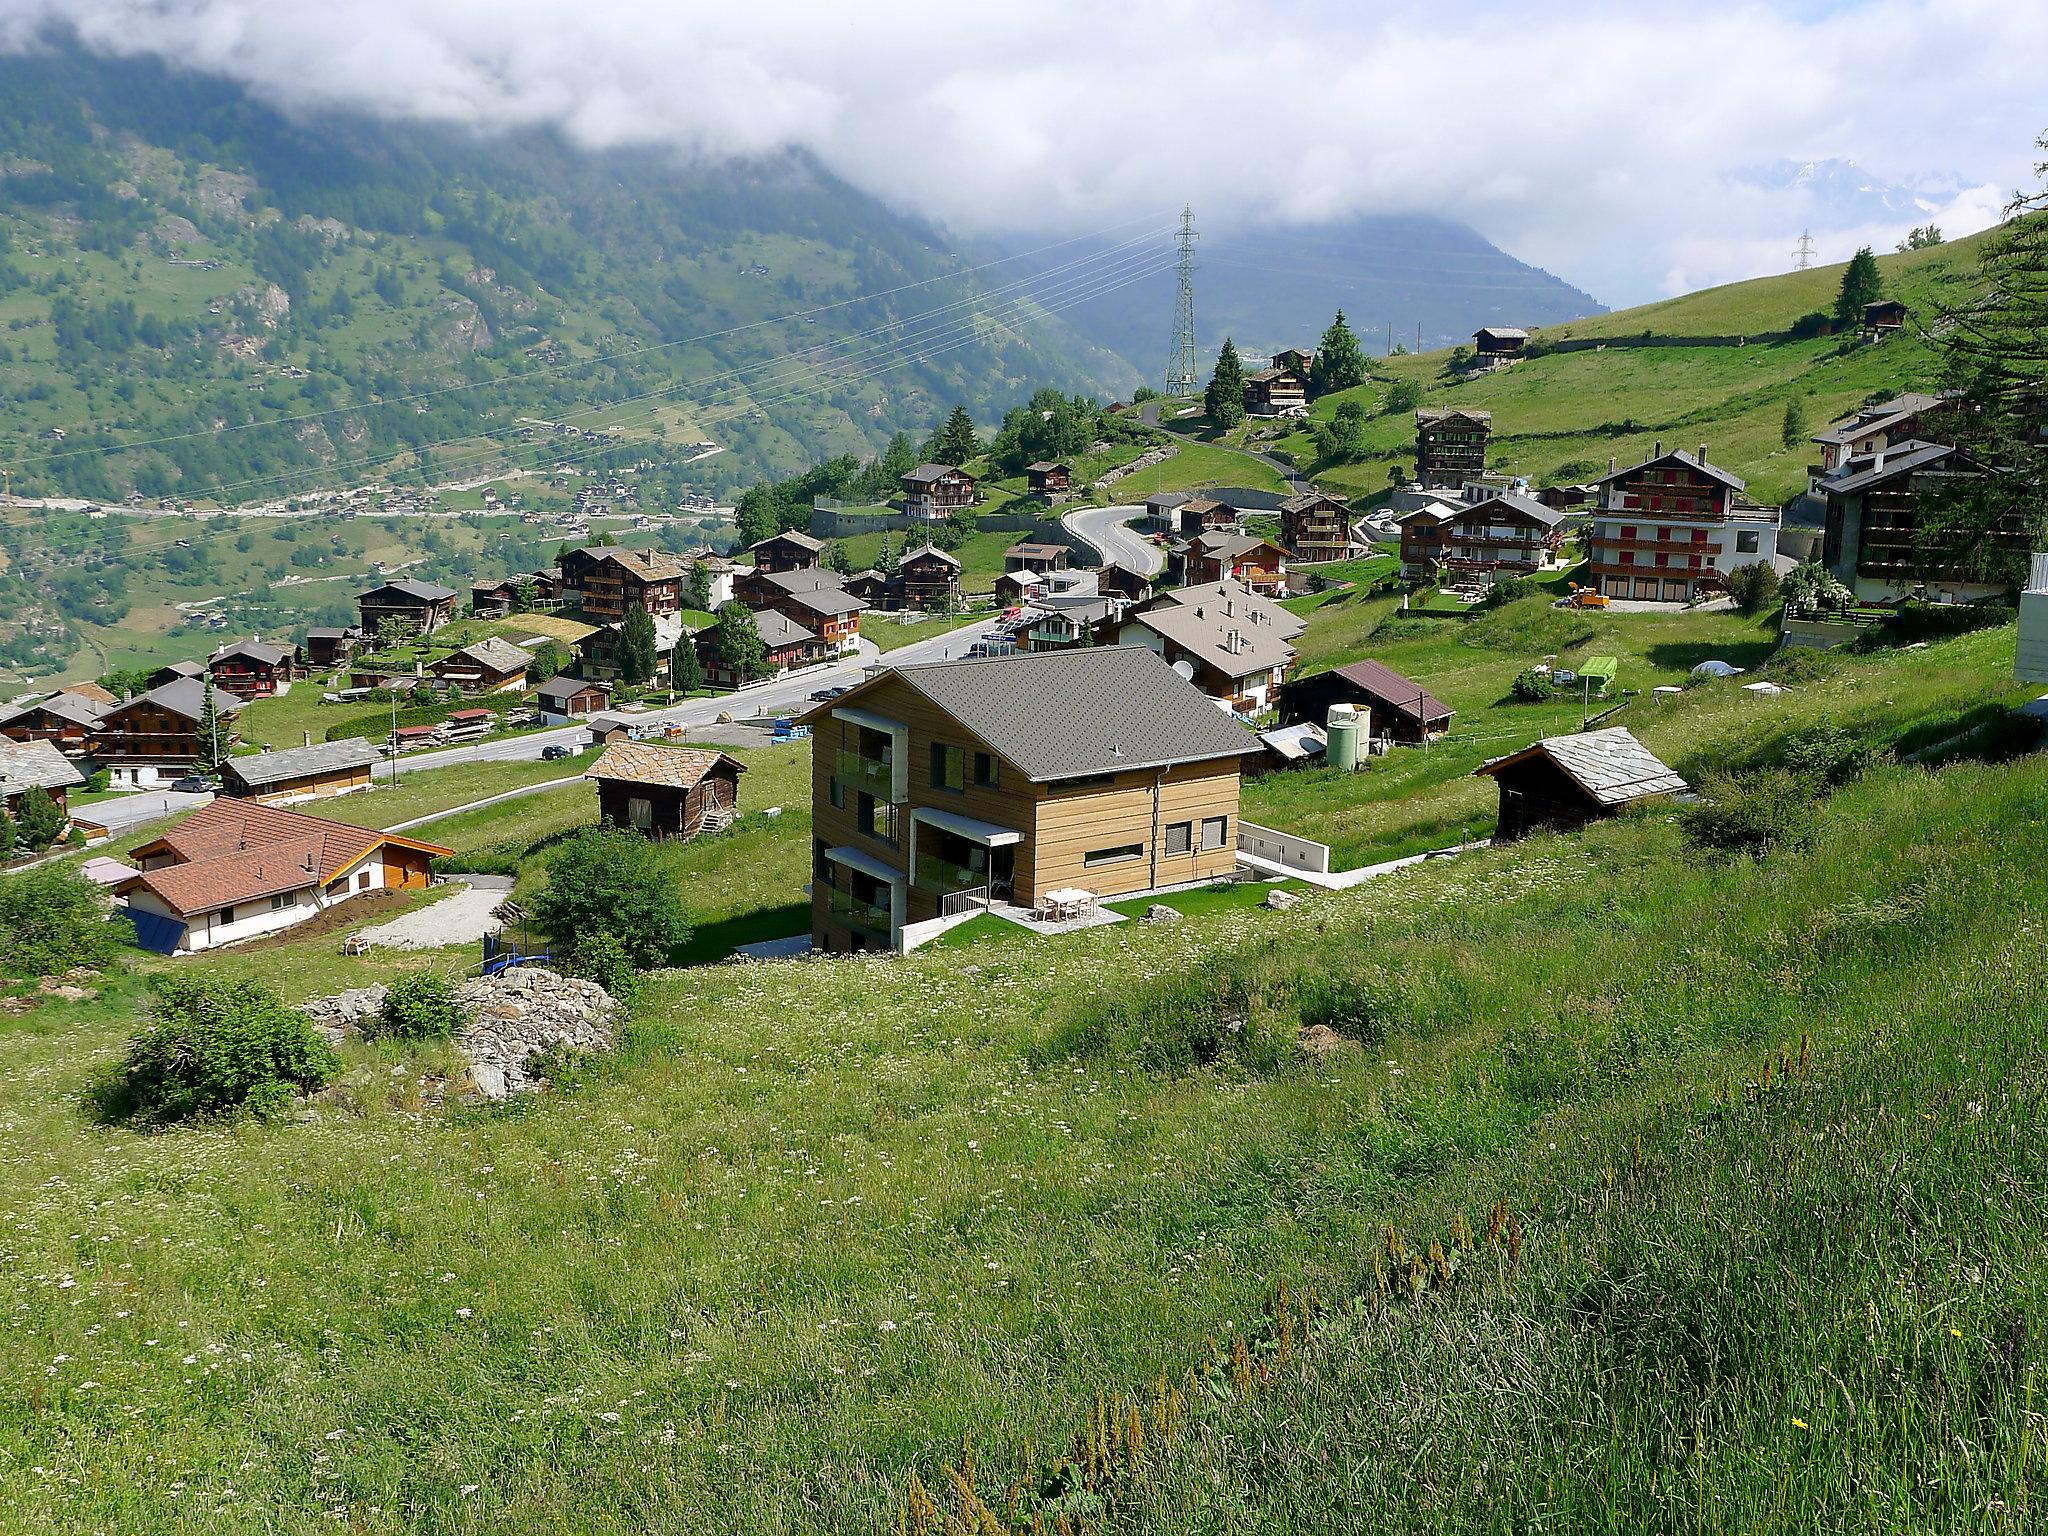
1530 687
1753 813
215 1047
1507 590
601 958
614 883
53 920
418 1006
37 821
1754 587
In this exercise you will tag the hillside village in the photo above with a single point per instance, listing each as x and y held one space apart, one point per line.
1152 814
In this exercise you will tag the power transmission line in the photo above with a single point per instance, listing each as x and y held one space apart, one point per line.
1180 360
1803 257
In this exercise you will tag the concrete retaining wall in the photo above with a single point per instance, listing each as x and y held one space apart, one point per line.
1283 848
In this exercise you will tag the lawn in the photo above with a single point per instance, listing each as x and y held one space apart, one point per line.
889 632
822 1225
1199 464
980 554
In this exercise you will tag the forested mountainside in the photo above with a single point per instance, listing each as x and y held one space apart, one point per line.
1273 285
177 261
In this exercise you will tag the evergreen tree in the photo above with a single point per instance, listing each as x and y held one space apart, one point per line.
637 657
839 560
739 642
1862 284
700 586
1339 362
1995 360
956 442
898 459
1223 400
1793 431
756 514
886 562
685 672
547 662
212 749
40 821
6 834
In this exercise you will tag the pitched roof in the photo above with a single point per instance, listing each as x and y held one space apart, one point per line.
185 696
259 770
69 705
1043 465
334 632
419 591
1526 506
1877 418
814 578
237 850
829 602
1028 550
1222 544
924 552
1431 416
1306 499
633 762
1684 460
256 650
92 692
1242 498
1393 691
1237 598
563 687
495 652
1610 765
31 764
925 474
1229 642
1877 468
647 564
779 631
788 536
1504 332
1084 710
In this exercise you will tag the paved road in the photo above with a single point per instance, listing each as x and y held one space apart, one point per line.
125 812
1149 414
778 696
1108 530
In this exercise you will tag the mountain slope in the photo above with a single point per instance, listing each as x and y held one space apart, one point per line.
176 258
1273 286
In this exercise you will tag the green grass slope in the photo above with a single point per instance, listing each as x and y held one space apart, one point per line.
1560 417
1762 1136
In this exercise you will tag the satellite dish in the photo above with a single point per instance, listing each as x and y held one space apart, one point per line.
1185 668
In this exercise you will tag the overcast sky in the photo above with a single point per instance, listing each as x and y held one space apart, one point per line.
1615 144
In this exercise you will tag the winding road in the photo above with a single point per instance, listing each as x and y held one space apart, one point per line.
1108 530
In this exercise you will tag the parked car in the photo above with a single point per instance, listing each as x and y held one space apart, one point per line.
555 750
827 695
194 784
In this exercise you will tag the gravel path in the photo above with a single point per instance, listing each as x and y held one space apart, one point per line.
463 918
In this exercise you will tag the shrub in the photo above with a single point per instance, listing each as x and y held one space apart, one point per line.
214 1047
418 1006
605 881
1828 755
1752 813
602 958
38 822
53 920
1507 590
1754 586
1530 687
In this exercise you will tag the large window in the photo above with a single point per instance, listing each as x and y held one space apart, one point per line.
1120 854
876 818
949 767
1179 837
1215 833
1747 541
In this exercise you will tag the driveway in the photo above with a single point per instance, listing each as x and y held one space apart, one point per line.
463 918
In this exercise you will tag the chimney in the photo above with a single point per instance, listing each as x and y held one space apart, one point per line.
1610 463
1703 453
309 738
1658 451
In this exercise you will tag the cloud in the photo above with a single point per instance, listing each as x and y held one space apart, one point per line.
1604 142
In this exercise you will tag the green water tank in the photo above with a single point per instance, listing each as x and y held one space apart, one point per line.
1342 731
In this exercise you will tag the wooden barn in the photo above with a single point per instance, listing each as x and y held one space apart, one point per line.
665 792
1564 782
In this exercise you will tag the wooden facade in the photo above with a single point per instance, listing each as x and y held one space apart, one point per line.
254 669
418 606
1450 447
1275 392
1049 480
1316 527
666 792
1111 834
609 582
928 578
935 492
787 551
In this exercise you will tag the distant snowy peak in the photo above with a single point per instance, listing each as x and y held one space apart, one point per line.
1841 193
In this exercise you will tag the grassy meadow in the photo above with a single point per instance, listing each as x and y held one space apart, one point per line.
1767 1223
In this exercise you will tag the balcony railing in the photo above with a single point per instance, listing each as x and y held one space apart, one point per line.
862 916
944 876
873 774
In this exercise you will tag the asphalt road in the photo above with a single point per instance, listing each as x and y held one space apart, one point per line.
1107 528
124 812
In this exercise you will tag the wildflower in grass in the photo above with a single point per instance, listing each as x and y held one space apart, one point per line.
1798 1423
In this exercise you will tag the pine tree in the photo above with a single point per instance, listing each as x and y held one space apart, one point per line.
1339 362
1862 284
1793 431
685 672
886 562
1223 400
40 821
739 642
839 560
957 442
212 750
637 657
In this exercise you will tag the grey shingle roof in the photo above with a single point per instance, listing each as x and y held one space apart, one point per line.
29 764
419 591
1610 765
75 707
1430 416
1527 506
1237 598
497 653
778 631
260 770
258 651
1097 709
564 688
187 696
1899 459
931 552
1231 643
1504 332
1683 459
925 474
789 536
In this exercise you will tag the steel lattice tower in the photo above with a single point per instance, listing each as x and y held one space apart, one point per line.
1181 378
1803 257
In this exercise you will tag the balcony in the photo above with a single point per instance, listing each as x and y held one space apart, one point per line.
876 775
863 917
946 877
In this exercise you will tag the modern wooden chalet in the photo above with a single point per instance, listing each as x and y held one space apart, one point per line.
945 786
484 667
607 582
1275 392
787 551
1450 447
68 721
158 734
1258 564
666 792
785 643
1509 535
814 598
253 668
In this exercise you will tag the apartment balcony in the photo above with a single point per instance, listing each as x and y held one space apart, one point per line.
946 877
863 917
876 775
